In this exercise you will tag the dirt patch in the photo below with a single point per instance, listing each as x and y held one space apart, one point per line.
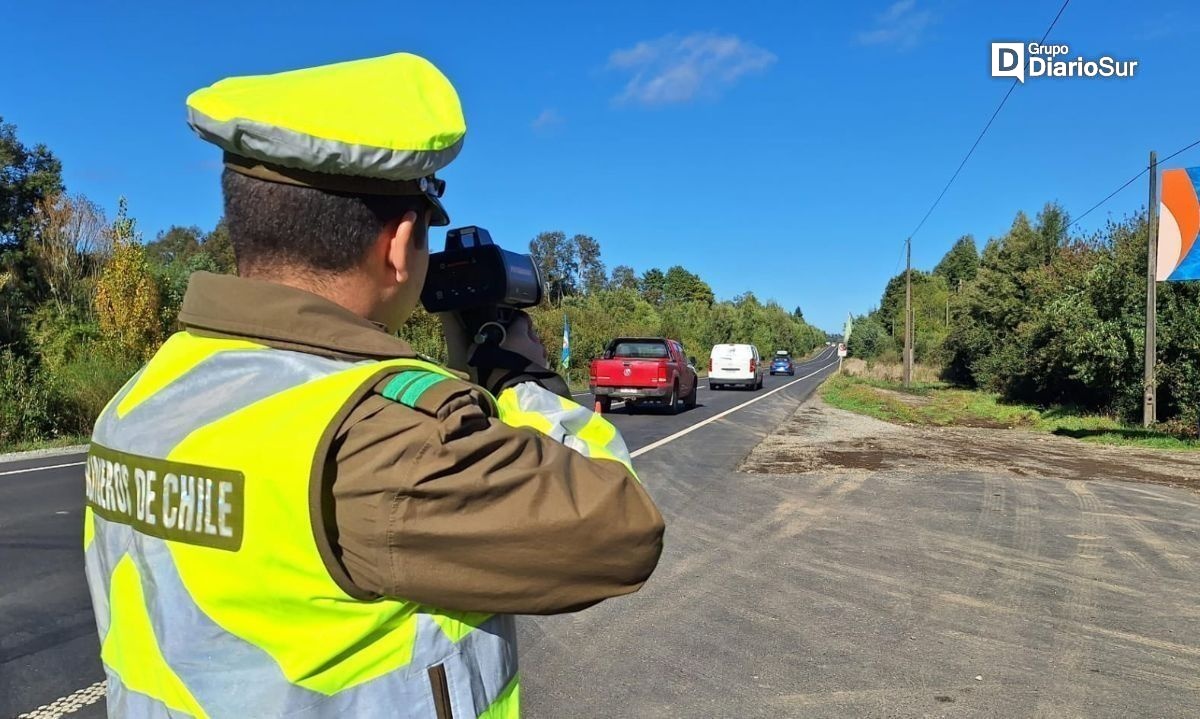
821 438
860 459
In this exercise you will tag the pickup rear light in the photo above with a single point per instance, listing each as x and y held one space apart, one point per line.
662 373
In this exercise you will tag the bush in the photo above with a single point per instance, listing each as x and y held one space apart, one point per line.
60 337
423 332
26 401
85 384
1051 320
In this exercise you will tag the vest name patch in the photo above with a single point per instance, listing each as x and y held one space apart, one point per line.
175 501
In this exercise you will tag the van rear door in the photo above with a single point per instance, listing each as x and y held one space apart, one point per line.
731 362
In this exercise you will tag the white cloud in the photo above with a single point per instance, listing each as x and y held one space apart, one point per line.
902 26
675 69
548 118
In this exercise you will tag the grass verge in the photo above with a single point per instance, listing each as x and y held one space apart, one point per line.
935 404
67 441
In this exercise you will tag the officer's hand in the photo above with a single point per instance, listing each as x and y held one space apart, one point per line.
520 358
458 342
523 340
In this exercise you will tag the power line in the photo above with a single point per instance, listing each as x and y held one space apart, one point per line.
1179 152
1129 182
983 132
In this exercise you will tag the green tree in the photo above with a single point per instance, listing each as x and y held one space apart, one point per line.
960 264
654 286
869 338
624 278
176 244
891 304
557 260
1179 352
28 176
1054 320
172 280
218 246
592 274
680 285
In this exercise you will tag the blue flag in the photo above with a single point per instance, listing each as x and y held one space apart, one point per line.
566 348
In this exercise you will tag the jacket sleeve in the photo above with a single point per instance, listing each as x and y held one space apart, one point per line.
445 505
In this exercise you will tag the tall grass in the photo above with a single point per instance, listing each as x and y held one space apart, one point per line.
37 407
885 371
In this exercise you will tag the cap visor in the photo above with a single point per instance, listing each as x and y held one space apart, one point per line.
439 217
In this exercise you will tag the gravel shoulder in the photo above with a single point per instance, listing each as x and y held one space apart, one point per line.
822 438
976 572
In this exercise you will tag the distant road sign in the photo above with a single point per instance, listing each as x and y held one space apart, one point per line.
841 349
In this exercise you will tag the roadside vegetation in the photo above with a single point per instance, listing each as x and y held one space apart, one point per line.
1044 318
84 301
875 390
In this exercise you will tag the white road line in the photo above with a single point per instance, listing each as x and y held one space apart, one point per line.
714 418
40 469
68 704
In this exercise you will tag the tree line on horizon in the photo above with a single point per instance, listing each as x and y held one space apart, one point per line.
84 302
675 303
1045 317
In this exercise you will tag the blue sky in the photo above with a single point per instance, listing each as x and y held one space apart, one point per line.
781 147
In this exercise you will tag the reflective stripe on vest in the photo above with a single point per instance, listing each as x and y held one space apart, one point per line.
586 432
211 596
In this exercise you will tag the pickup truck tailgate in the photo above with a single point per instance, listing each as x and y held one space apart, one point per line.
627 373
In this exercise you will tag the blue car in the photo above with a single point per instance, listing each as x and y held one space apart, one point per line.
782 364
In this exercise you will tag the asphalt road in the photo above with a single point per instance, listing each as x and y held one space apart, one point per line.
48 644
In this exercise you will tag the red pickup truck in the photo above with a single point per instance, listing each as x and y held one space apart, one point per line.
639 370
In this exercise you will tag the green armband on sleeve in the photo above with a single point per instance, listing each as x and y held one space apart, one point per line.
430 392
408 387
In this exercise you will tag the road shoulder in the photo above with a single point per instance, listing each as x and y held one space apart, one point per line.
823 438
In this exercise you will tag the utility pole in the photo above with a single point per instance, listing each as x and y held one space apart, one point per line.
908 328
1148 406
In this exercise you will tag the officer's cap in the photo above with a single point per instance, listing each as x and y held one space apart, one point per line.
380 126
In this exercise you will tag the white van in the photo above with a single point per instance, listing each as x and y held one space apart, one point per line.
738 365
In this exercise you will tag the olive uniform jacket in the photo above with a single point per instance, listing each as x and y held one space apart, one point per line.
440 503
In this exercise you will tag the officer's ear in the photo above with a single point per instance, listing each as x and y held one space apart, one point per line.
404 242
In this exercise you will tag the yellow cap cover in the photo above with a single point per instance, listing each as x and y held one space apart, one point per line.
394 117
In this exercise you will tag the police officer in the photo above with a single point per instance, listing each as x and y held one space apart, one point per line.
290 513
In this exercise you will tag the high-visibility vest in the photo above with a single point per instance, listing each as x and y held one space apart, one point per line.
211 594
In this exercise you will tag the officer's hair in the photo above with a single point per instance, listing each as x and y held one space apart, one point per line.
278 226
